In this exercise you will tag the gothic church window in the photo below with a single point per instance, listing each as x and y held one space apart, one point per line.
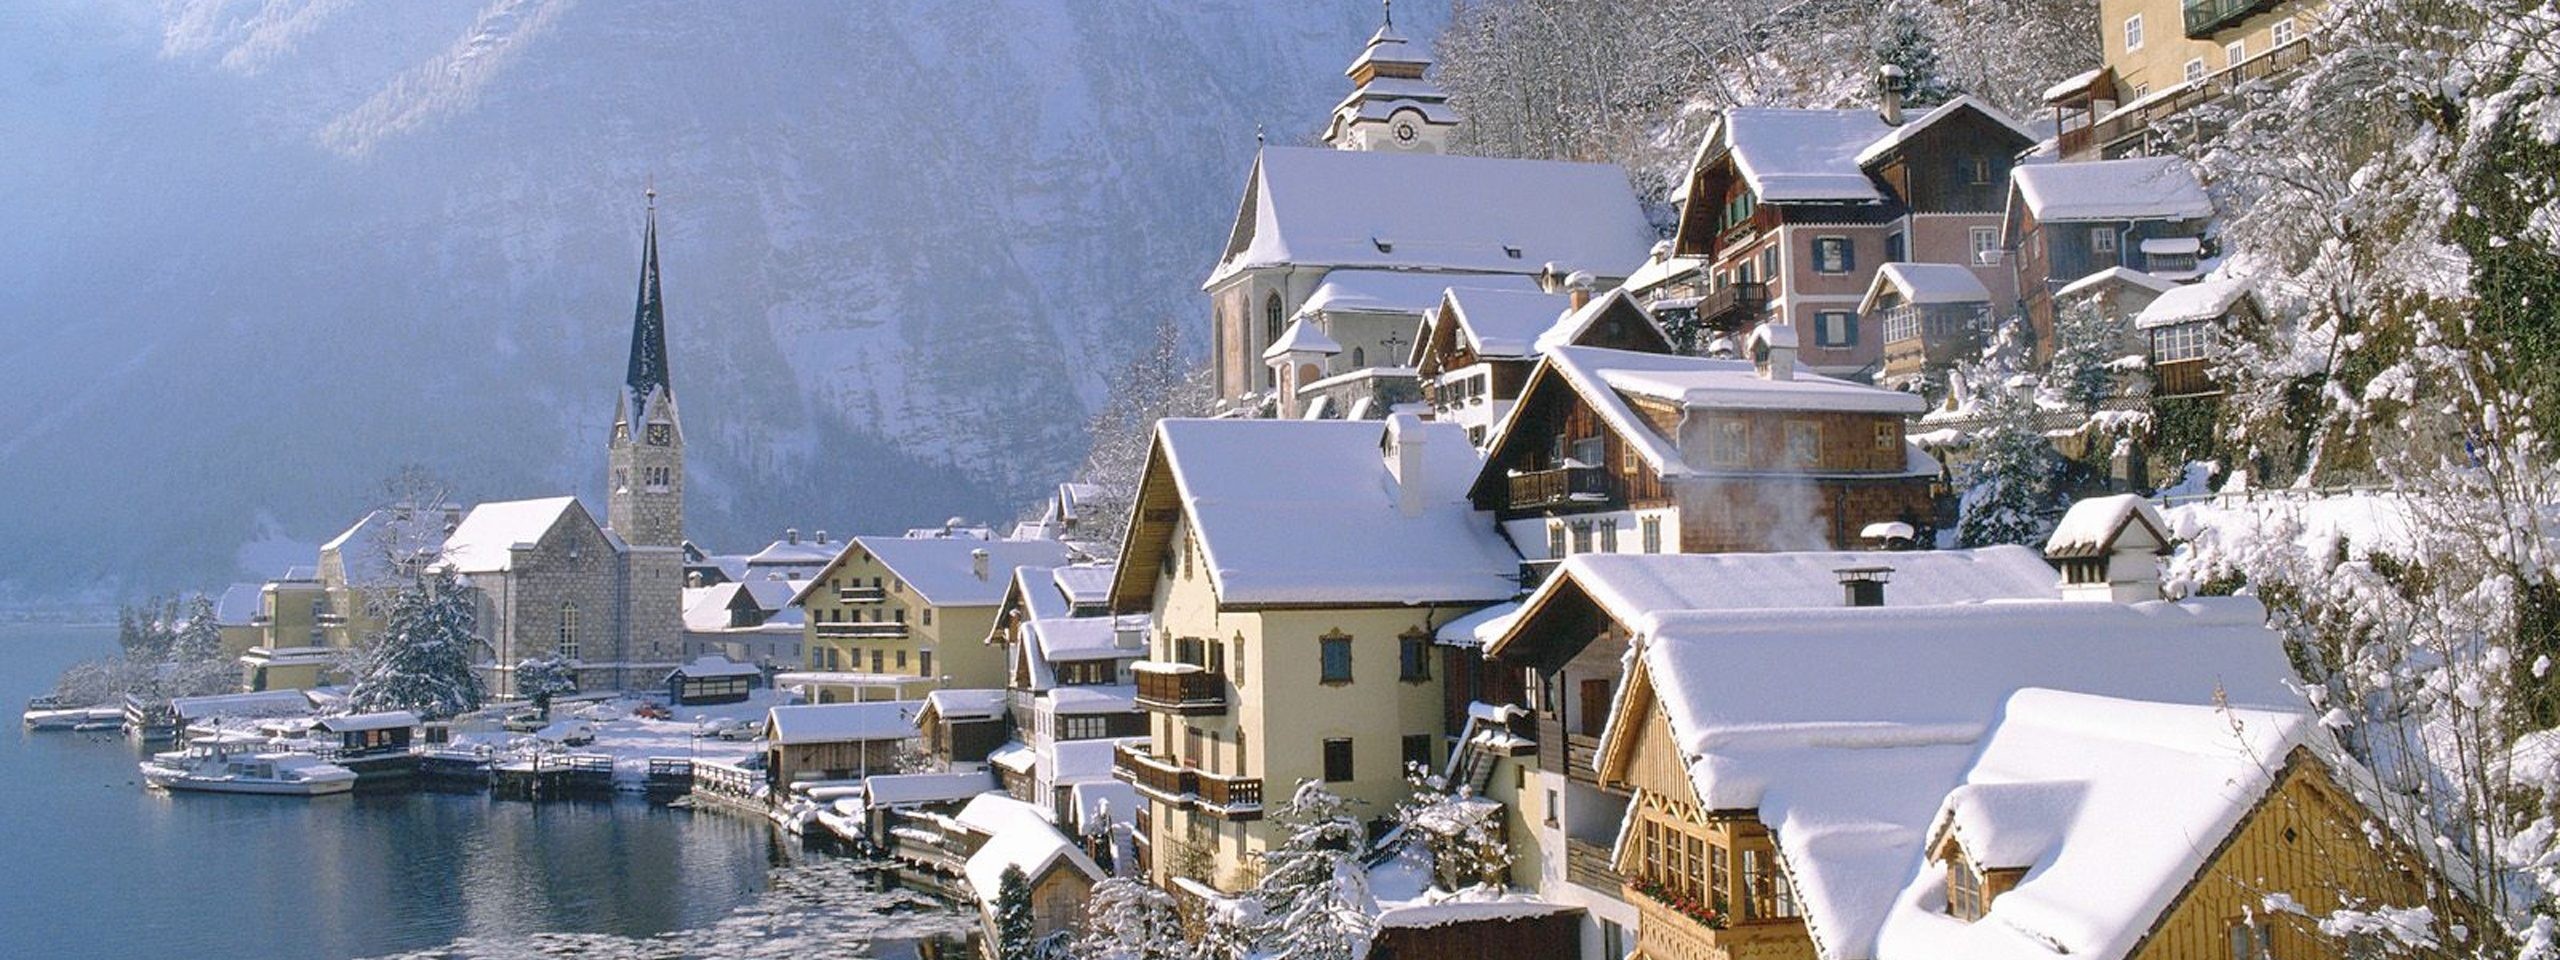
1271 319
565 645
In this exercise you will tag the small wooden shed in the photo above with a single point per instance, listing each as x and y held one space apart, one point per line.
363 735
837 741
711 680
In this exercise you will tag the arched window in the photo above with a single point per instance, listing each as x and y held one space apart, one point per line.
565 646
1359 358
1271 319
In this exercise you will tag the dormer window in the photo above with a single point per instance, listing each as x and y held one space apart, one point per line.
2088 570
1964 892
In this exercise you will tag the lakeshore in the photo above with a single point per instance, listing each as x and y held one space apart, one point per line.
408 873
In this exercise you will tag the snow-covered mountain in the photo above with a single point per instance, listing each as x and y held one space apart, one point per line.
257 253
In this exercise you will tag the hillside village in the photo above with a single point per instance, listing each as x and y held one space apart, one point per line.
1537 576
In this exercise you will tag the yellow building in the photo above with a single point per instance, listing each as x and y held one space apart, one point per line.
2164 57
1295 572
893 617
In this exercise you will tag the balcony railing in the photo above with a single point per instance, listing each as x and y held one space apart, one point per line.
1240 798
1179 688
862 631
1572 754
1588 864
2135 120
2204 18
1563 486
860 595
1184 787
1733 306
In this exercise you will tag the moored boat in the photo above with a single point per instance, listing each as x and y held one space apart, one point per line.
47 715
217 771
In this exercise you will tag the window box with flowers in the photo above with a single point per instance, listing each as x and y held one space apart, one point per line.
1706 915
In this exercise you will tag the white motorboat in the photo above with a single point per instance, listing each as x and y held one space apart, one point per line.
215 771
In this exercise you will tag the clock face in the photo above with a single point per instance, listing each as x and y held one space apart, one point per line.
1405 132
660 434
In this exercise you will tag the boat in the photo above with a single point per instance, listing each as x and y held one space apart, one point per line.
212 770
47 715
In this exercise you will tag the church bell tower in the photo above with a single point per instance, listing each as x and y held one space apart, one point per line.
646 455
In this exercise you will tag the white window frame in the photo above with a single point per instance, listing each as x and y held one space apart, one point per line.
2235 52
1986 240
2102 239
2282 31
2133 33
2195 69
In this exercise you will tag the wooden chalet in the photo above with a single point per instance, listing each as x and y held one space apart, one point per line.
2186 331
712 680
1611 451
1477 348
837 741
1930 316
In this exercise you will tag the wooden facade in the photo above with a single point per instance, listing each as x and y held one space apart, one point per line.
830 760
1546 935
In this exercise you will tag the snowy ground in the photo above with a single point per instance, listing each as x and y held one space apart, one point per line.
632 740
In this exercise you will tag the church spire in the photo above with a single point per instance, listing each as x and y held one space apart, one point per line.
648 371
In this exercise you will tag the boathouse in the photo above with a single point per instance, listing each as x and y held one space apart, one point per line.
837 741
362 735
711 680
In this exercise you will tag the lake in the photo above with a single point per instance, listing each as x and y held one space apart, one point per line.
98 866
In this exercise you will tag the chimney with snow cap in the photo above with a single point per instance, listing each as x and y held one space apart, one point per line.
791 534
1578 287
822 538
1891 81
1404 447
978 562
1772 348
2109 549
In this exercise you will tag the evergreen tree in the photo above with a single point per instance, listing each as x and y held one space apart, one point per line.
542 678
199 640
1315 888
422 662
1461 831
2011 491
1128 919
1016 934
2085 350
1903 39
1160 382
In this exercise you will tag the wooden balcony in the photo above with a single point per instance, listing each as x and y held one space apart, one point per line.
1663 933
862 631
1180 689
2204 18
2123 126
2183 378
1572 754
861 595
1189 788
1588 864
1733 308
1591 487
1235 798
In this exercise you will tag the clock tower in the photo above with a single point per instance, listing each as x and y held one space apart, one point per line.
646 455
1391 106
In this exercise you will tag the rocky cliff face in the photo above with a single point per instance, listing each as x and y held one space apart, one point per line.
256 253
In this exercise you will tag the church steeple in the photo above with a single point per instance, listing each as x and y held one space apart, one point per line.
1391 106
648 373
646 454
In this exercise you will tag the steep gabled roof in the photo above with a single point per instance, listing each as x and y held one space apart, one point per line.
1575 328
1926 283
945 572
2202 300
1790 155
2092 527
1959 106
1434 212
2134 188
485 539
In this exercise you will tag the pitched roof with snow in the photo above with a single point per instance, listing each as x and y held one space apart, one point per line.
1416 211
1569 329
2130 278
1960 105
944 572
712 666
838 722
1792 155
2193 303
795 553
2134 188
1403 291
1308 512
1084 584
1604 378
485 539
1849 770
1301 337
1033 848
2114 804
2093 525
1926 283
359 722
978 704
909 789
1503 323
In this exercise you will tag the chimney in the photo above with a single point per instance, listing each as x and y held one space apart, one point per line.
1890 83
1578 287
2109 550
1863 586
1550 279
1404 443
978 562
791 535
822 538
1773 351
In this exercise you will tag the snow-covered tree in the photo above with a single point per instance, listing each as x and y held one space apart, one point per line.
1903 40
1314 889
2011 490
1017 934
1160 382
422 661
1462 832
2087 347
542 678
199 637
1127 918
147 631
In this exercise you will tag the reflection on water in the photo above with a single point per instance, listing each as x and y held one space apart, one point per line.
93 865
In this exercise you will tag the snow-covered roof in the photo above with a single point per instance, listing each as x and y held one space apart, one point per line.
1064 639
2132 278
1568 329
707 608
994 813
1638 590
1294 511
238 605
796 553
1481 627
1848 770
2191 303
1032 847
265 703
1094 698
1926 283
1301 337
1076 761
909 789
2114 804
1038 588
1792 155
713 666
1912 127
1502 323
1387 46
944 572
2076 83
361 547
966 704
356 722
2134 188
2173 245
2091 527
1402 291
836 722
1087 800
1084 584
483 542
1419 211
1015 756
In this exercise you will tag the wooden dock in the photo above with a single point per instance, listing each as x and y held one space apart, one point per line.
552 777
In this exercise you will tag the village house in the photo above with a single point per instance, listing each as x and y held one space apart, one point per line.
2187 330
1610 451
837 741
712 680
1071 695
1571 638
1930 316
2070 221
1295 572
893 617
1789 212
745 621
961 727
235 615
2116 293
1001 832
2164 58
1478 346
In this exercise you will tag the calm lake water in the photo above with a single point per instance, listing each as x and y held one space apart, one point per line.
94 865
